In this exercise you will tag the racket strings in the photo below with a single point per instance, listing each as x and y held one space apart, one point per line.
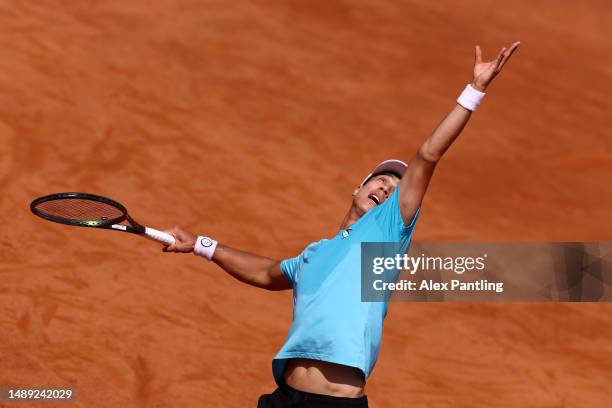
80 210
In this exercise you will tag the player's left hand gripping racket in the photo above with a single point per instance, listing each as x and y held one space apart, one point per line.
90 210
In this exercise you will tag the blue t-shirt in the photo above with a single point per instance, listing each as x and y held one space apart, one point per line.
330 322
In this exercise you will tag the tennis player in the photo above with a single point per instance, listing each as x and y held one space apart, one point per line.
334 338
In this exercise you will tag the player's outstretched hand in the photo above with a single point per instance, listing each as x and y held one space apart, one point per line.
185 240
484 72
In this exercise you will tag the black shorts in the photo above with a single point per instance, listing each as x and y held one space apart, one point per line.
286 397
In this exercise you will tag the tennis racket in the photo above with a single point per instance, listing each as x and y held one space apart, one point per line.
90 210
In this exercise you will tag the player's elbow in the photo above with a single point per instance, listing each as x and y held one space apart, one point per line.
429 155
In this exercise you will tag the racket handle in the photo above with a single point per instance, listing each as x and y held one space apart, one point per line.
159 236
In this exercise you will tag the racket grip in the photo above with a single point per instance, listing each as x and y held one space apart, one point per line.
159 236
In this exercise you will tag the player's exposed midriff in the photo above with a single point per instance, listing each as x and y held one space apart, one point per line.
322 377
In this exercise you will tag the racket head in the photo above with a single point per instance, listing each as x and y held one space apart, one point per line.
79 209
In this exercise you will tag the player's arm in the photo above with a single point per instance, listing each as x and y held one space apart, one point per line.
249 268
422 165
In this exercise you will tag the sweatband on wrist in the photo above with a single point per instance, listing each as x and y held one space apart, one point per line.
205 247
470 98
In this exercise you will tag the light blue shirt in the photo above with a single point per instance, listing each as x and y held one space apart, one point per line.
330 322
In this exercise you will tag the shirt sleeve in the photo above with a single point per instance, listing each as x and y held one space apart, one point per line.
290 266
390 218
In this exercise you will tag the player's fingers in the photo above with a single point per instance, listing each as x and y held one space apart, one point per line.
478 55
174 232
508 54
170 248
170 232
499 58
180 234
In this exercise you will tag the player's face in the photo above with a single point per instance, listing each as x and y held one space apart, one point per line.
374 192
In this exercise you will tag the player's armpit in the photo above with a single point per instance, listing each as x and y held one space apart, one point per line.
276 278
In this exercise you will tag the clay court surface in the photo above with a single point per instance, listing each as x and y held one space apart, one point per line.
252 122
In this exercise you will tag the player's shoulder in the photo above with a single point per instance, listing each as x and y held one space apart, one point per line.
313 246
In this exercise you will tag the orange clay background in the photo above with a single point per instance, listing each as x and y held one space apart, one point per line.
252 121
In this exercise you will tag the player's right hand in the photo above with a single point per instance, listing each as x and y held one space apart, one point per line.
185 240
485 71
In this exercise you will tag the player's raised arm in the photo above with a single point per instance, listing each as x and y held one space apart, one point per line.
421 167
249 268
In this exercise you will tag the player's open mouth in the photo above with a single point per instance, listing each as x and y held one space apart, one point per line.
374 198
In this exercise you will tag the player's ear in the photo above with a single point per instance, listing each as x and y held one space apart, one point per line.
355 191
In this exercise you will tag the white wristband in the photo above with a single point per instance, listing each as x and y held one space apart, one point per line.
205 247
470 98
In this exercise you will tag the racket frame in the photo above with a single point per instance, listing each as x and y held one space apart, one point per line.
113 223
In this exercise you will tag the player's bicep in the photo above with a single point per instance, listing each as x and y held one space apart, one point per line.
414 185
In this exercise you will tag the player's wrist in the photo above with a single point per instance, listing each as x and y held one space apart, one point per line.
478 86
471 97
205 247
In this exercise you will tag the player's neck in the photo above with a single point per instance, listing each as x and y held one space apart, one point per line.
350 218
